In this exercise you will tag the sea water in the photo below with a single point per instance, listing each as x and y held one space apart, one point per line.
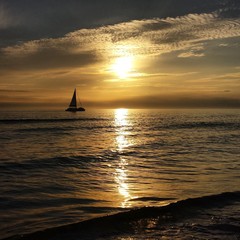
159 174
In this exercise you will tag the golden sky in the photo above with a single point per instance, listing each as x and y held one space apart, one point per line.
188 60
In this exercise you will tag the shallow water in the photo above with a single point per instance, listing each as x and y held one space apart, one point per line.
59 168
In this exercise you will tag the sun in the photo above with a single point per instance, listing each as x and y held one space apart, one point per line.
123 66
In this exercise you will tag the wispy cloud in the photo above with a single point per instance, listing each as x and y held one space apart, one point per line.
190 54
139 37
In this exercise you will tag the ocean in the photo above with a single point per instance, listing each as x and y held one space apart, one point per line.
120 174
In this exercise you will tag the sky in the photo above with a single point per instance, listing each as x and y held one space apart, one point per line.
119 53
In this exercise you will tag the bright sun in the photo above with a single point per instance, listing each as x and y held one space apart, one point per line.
123 66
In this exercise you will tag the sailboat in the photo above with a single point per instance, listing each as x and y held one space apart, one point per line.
73 104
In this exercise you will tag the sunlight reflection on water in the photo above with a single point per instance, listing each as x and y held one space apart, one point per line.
122 142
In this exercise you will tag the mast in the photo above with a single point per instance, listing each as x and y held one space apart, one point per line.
73 102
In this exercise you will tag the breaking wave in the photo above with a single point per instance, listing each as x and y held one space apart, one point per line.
128 222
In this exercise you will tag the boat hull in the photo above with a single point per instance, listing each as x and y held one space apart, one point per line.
80 109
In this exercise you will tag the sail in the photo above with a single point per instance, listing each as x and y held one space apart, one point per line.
73 102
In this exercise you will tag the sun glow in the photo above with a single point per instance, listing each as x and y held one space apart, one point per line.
123 66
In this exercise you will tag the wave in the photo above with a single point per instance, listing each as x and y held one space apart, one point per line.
210 124
47 120
186 125
54 162
147 199
190 125
127 222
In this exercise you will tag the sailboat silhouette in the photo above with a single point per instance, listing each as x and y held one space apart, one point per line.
73 104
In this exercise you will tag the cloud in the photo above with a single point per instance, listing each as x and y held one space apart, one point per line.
171 101
191 54
13 91
48 54
54 18
234 77
51 59
186 100
146 37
